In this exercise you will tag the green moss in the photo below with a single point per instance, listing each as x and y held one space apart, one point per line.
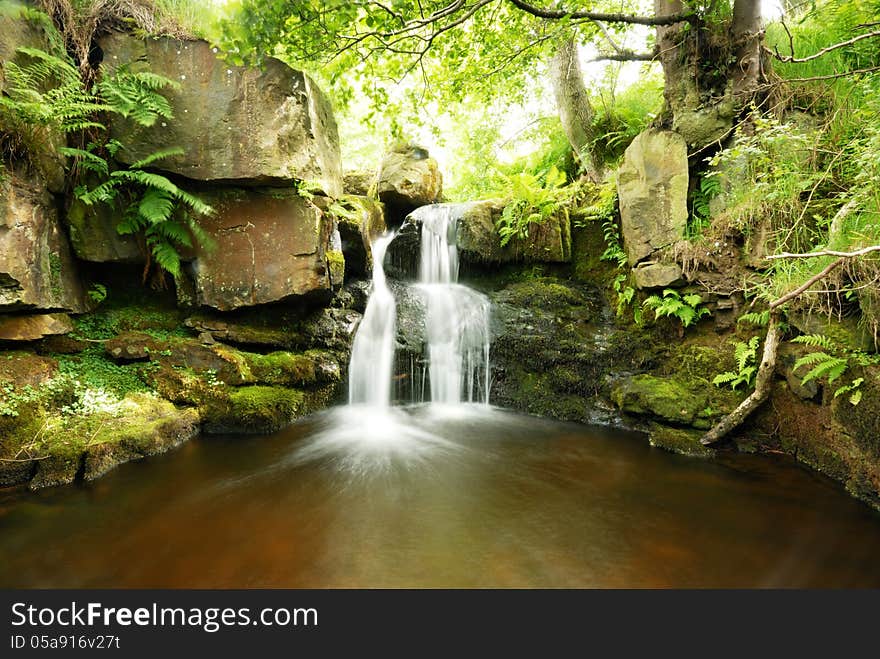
678 440
282 368
260 409
543 294
336 265
666 398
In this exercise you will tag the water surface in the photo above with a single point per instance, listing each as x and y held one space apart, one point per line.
435 496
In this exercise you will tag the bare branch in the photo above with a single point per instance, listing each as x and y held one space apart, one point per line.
818 54
825 252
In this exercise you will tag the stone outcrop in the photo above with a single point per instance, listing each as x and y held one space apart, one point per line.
37 271
408 178
479 242
652 185
657 275
94 238
358 183
264 125
34 326
270 245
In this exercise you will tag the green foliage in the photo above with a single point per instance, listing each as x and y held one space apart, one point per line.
701 214
97 293
621 115
758 319
746 356
831 362
48 94
686 308
534 201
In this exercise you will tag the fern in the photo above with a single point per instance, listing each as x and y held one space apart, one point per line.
757 319
816 341
746 356
535 199
686 309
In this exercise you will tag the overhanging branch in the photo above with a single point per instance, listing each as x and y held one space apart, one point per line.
557 14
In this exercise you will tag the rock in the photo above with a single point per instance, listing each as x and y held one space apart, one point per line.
704 125
23 369
358 183
679 440
652 185
788 355
264 125
664 398
408 178
34 327
271 245
17 31
258 410
94 238
55 470
149 427
362 221
331 329
133 346
37 271
478 240
846 332
657 275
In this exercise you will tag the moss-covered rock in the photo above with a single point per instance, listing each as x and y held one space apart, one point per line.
257 409
679 440
665 398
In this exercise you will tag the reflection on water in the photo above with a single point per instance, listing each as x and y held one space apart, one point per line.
434 496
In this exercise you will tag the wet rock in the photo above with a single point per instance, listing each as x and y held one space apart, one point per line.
265 125
363 220
34 327
133 346
679 440
54 470
37 271
657 275
270 245
789 354
257 410
149 428
652 185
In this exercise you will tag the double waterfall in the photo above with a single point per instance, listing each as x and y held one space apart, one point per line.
456 322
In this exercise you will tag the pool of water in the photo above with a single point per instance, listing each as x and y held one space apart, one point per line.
432 496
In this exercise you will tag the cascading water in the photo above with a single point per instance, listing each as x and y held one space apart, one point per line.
456 323
372 354
457 319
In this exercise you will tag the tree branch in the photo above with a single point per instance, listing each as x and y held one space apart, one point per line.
818 54
825 252
556 14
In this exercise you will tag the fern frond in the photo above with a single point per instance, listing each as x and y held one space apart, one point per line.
156 156
815 341
759 319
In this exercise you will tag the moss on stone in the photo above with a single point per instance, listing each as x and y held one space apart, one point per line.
336 266
679 440
282 368
666 398
258 409
545 294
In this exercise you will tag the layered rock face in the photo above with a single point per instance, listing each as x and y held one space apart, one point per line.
252 139
269 125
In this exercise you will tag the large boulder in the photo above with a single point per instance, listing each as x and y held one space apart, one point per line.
270 245
37 271
263 125
32 327
408 178
652 185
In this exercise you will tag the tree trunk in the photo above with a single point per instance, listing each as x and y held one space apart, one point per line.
573 105
748 36
669 40
763 384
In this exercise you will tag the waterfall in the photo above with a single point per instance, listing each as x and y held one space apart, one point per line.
456 323
372 354
457 318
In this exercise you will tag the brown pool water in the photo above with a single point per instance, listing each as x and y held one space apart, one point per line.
432 497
